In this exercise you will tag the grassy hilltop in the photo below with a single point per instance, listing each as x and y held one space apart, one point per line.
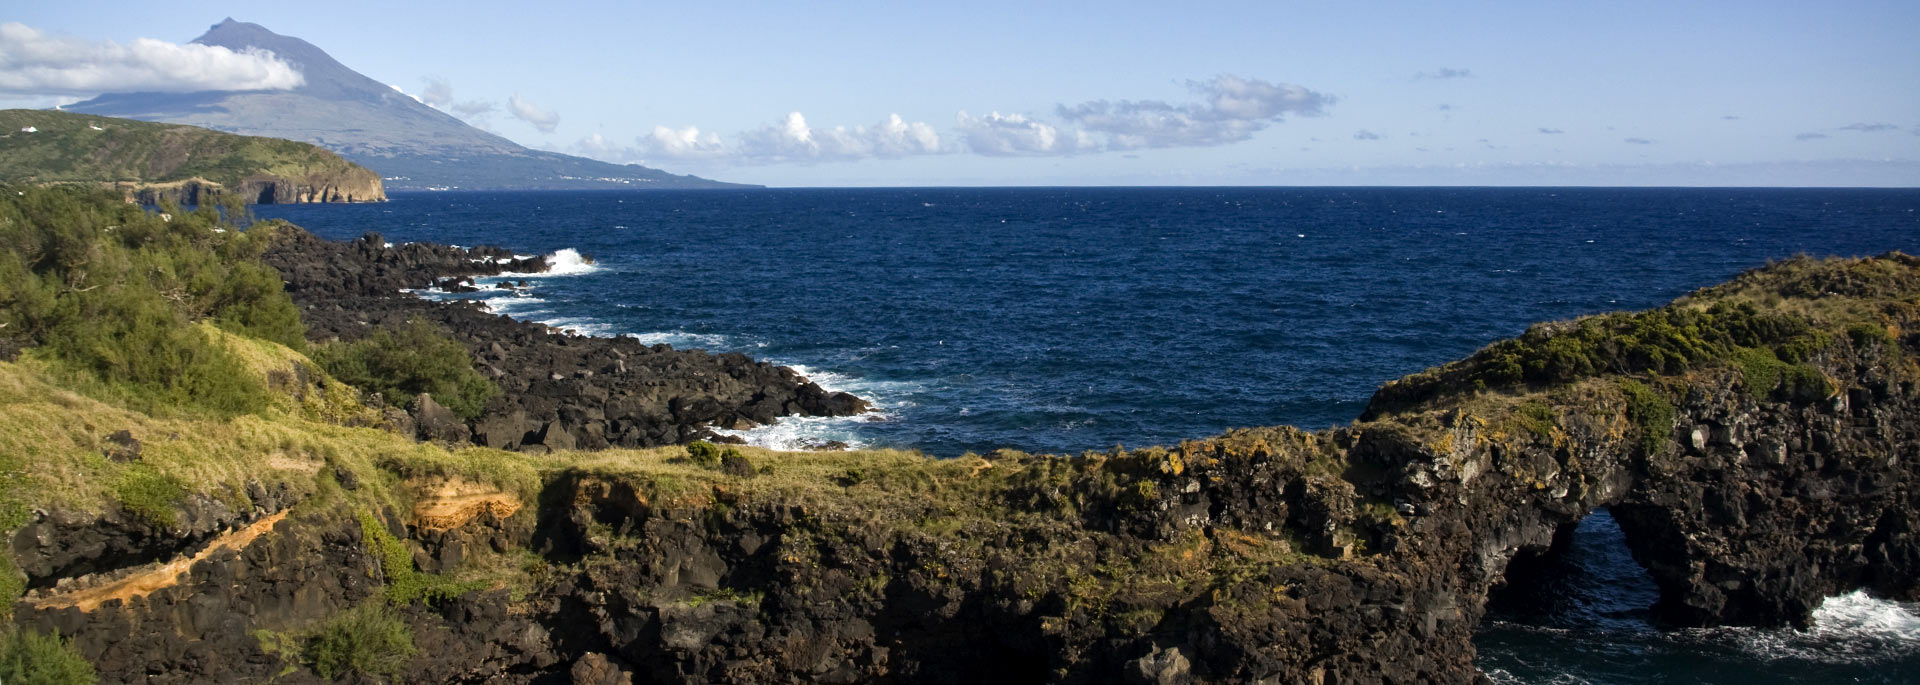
173 161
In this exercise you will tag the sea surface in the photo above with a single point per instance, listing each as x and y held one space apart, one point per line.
1062 320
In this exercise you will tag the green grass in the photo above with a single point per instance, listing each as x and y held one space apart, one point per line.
150 494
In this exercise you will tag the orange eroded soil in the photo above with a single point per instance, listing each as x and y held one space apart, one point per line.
453 503
166 575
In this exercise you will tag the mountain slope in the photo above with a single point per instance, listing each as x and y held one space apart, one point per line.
164 161
414 146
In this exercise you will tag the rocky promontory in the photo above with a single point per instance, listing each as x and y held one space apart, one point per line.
559 390
154 163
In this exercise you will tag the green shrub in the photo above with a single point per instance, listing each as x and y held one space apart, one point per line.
151 495
703 453
1760 370
144 354
370 639
1651 413
1869 335
1804 383
402 363
29 658
708 455
109 293
252 302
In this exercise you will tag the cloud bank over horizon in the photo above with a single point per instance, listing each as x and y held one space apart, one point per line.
1229 109
33 62
790 140
1232 110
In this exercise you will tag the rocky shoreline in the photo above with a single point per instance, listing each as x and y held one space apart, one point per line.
559 390
1751 486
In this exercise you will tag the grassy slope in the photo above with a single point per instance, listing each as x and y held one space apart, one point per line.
81 148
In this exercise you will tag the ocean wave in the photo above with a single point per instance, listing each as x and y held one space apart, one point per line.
683 340
1849 629
1504 677
580 325
564 262
794 433
814 432
515 304
569 262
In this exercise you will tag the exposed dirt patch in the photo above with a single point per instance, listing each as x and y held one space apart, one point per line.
287 462
446 505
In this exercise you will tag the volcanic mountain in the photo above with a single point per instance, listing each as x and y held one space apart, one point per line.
370 123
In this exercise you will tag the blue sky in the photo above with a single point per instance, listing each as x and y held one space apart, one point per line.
1700 93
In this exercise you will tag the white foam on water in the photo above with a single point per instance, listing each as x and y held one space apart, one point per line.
794 433
1503 677
683 340
580 325
1848 629
565 262
569 262
814 432
512 304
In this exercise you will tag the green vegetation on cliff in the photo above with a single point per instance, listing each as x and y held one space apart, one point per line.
1768 323
151 160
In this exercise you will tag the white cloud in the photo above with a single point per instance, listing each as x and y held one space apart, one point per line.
682 143
35 63
1007 135
526 111
438 94
402 91
1233 110
793 140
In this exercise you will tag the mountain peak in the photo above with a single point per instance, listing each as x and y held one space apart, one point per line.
368 122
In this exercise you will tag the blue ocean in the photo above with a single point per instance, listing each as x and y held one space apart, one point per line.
1070 319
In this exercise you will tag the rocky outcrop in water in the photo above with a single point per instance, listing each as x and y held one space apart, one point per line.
560 391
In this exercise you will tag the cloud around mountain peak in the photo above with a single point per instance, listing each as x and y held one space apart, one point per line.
33 62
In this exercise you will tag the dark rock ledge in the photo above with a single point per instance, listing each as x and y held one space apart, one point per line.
560 391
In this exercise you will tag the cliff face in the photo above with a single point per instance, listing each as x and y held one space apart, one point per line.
1750 486
152 163
260 190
